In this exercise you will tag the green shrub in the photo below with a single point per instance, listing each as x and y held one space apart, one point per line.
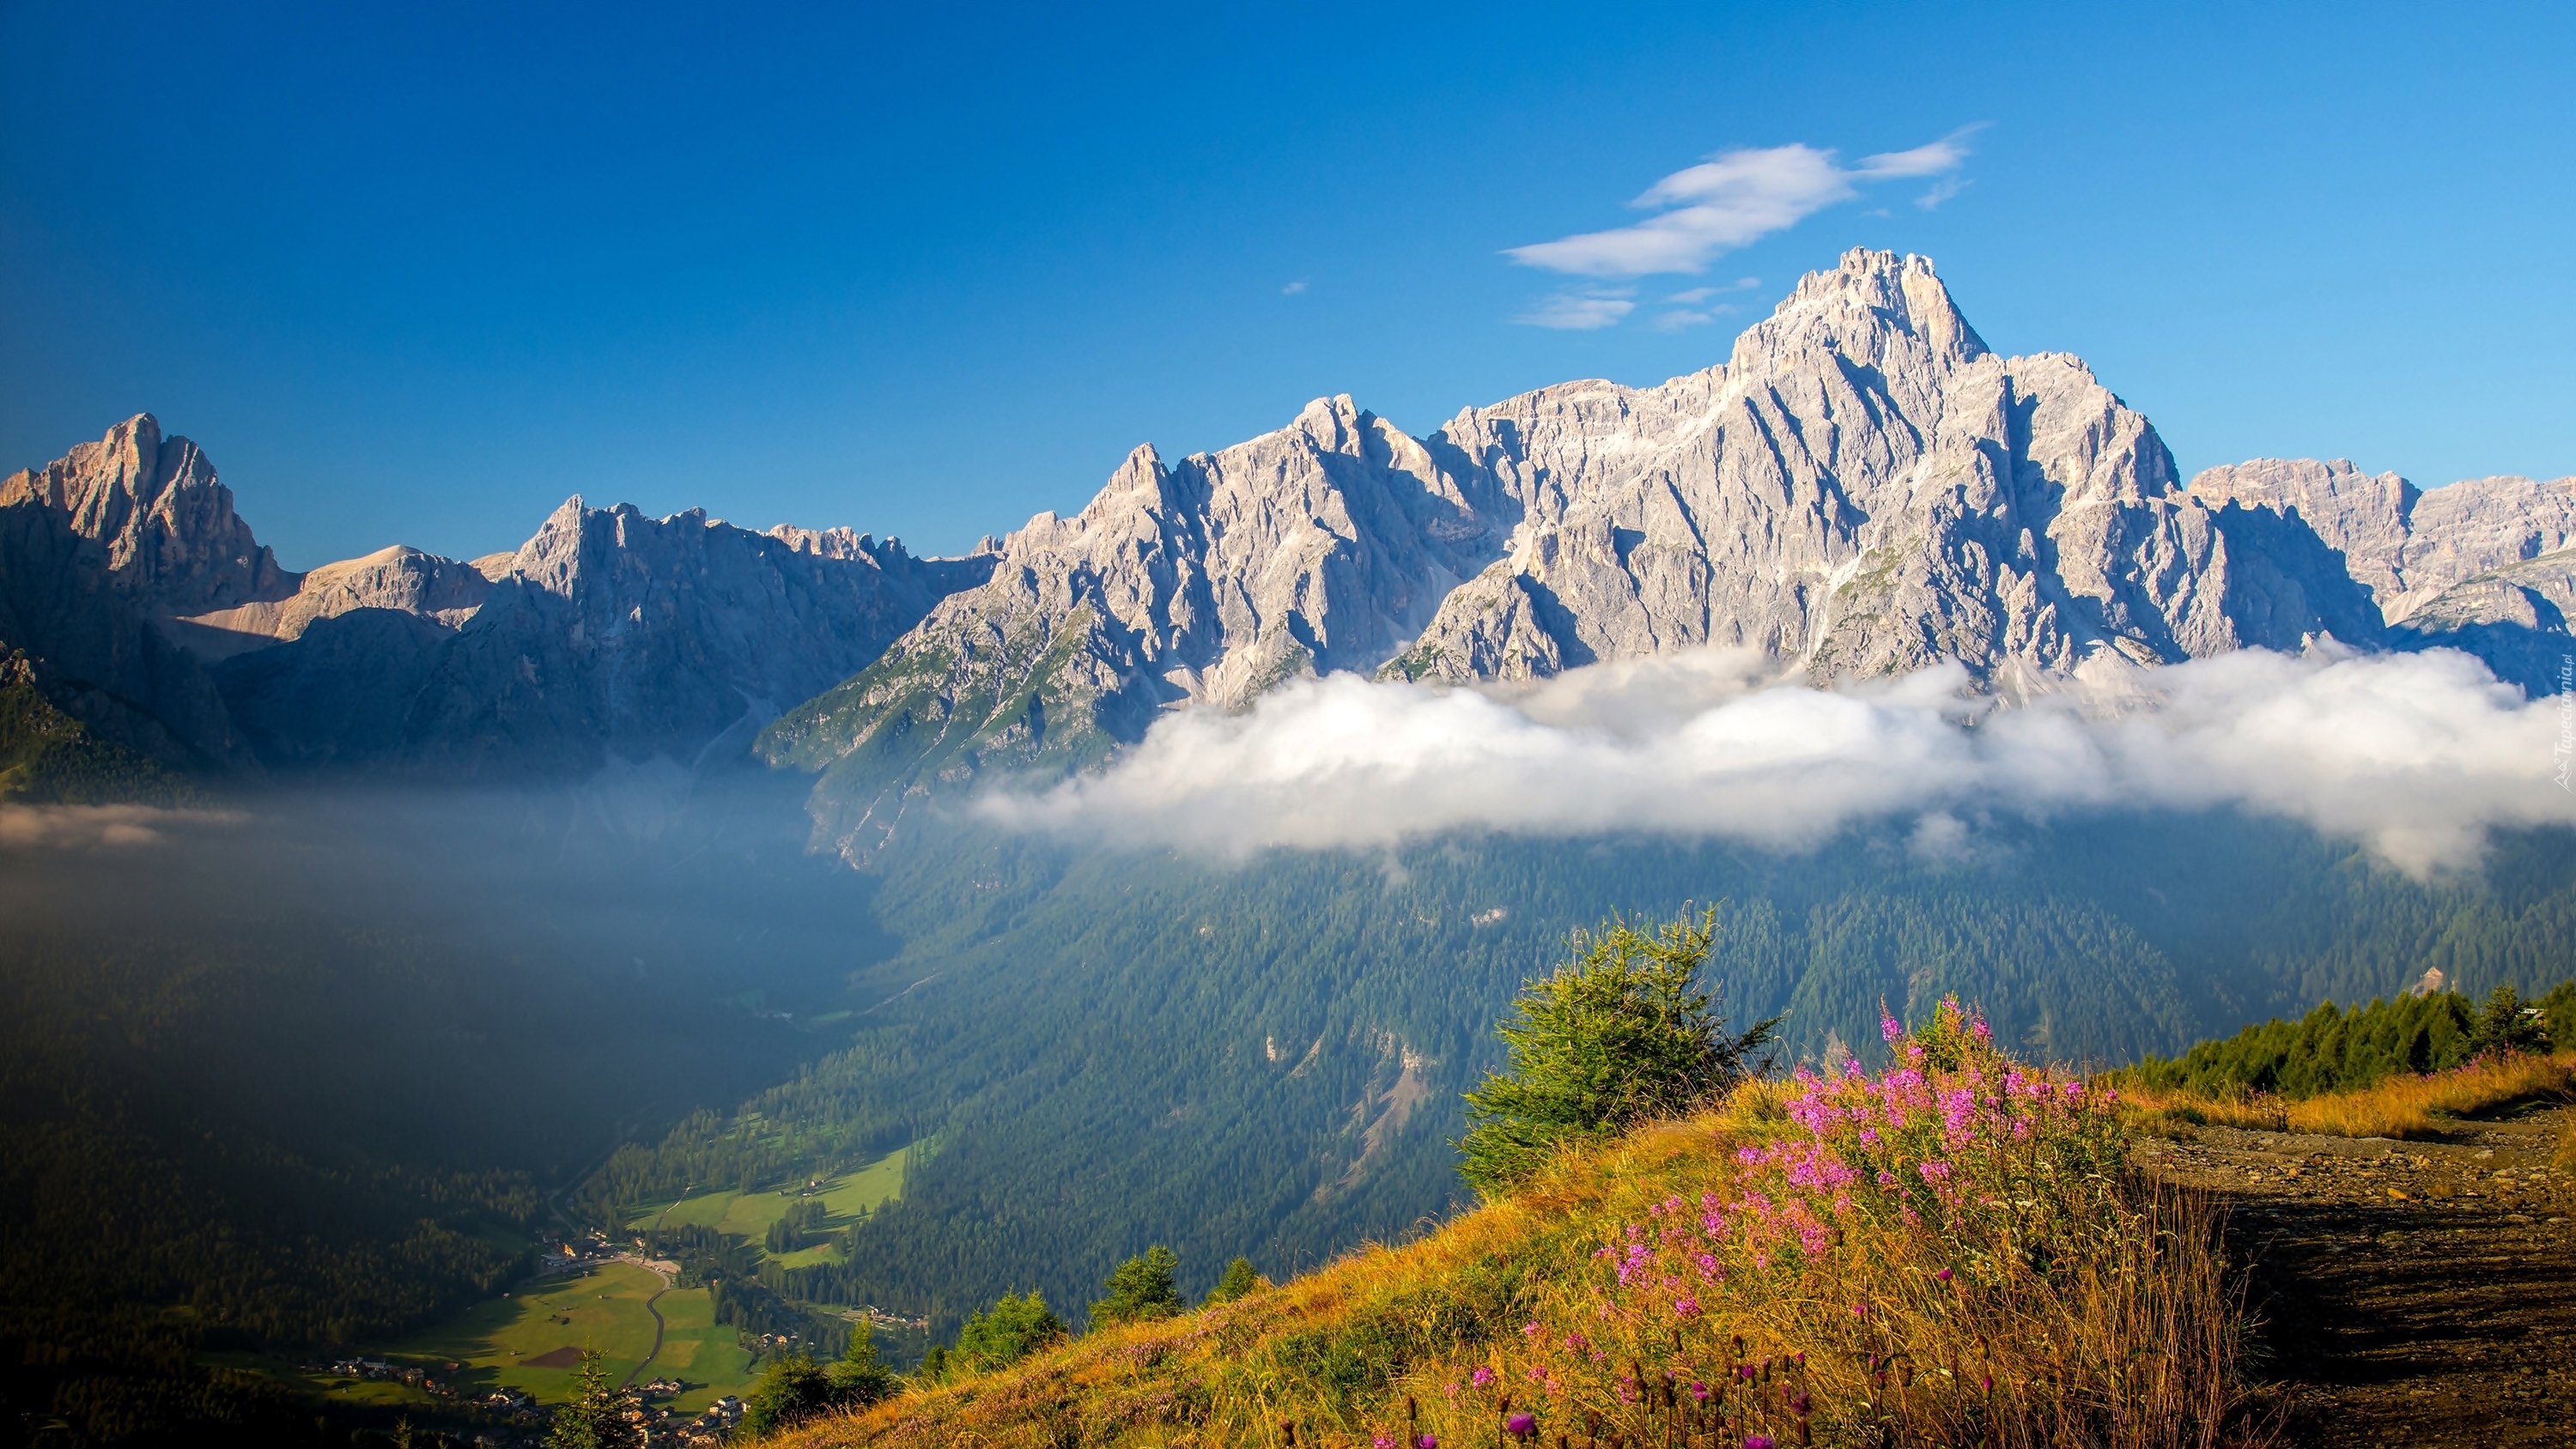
1012 1329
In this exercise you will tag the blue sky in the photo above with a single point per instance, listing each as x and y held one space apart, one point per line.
416 273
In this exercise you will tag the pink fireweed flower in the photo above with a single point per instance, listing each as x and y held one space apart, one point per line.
1860 1310
1699 1391
1483 1377
1943 1275
1530 1329
1427 1441
1708 1267
1889 1029
1382 1441
1933 1170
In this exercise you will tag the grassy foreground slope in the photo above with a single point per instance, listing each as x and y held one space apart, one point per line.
1950 1252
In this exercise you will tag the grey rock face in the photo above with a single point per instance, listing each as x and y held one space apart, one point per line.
1863 488
97 655
1324 545
164 521
440 591
606 632
2515 618
2407 545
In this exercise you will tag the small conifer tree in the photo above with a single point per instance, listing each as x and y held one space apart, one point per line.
1239 1279
858 1380
792 1387
595 1416
1141 1287
1622 1034
2510 1023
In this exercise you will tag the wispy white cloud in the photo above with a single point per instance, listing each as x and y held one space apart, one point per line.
1685 317
1579 311
1702 294
1942 190
2416 756
1729 201
1293 288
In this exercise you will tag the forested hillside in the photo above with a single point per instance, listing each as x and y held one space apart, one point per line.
1112 1050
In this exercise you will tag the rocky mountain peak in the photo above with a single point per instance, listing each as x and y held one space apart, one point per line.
1875 308
173 542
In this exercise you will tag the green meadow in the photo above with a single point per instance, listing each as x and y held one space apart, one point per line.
530 1340
846 1197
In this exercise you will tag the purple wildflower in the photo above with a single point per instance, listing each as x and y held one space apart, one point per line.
1482 1377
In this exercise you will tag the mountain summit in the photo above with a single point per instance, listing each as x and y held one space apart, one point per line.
1863 488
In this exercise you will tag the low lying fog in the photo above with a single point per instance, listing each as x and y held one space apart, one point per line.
2415 755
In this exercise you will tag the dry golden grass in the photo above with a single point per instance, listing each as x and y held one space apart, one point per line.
2105 1319
2565 1157
2400 1107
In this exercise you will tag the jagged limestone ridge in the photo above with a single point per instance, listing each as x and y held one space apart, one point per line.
1041 697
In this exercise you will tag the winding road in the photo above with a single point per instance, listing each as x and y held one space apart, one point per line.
662 1271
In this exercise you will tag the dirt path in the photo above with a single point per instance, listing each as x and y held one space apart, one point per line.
2413 1293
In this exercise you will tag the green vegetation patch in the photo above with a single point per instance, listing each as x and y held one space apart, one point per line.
2334 1049
845 1197
531 1339
49 758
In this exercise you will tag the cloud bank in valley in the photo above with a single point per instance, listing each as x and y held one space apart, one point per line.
99 827
2416 756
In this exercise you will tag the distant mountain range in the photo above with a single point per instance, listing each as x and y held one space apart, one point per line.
1863 488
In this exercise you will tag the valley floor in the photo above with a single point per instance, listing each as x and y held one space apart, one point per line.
2415 1293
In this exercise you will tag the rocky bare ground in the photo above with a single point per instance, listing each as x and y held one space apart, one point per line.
2415 1293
